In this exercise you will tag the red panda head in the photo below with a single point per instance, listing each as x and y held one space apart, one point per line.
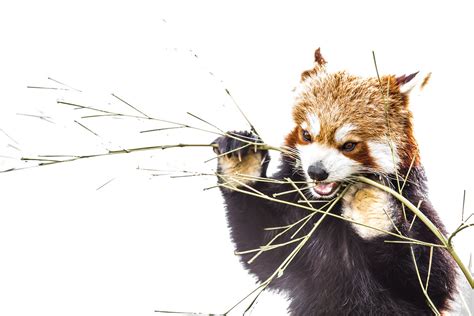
348 125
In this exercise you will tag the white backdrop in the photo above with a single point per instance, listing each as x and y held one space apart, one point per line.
143 242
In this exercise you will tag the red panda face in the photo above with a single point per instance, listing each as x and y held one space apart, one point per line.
347 125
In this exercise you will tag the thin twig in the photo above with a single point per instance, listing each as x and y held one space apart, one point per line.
207 122
459 229
414 216
42 117
63 84
391 221
292 191
86 128
269 247
463 204
125 102
425 293
421 243
229 152
103 185
46 88
71 158
187 313
408 173
252 128
389 131
429 269
13 140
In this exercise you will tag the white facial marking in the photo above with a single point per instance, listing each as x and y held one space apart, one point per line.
338 166
382 155
343 131
314 124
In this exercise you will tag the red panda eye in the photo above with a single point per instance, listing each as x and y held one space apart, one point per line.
348 146
306 136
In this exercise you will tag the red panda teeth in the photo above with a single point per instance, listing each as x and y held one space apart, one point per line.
325 188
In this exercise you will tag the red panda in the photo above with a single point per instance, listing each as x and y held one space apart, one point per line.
345 126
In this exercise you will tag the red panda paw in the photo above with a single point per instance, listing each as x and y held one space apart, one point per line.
371 207
240 158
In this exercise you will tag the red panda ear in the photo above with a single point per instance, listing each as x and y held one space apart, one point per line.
318 58
406 79
319 64
414 80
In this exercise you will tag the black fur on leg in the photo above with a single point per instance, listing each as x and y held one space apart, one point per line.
337 272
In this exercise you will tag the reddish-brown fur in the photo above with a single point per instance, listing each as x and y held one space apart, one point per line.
340 98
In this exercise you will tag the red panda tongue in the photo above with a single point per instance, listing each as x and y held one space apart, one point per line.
325 188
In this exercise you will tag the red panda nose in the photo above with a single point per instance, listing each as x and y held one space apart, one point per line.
317 172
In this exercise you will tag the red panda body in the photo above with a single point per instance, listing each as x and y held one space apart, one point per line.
345 126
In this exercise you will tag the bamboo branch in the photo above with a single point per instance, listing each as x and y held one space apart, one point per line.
425 292
389 130
280 270
319 211
444 241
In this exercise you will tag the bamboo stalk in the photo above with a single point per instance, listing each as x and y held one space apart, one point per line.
428 224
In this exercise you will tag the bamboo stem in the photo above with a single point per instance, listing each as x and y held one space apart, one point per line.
428 224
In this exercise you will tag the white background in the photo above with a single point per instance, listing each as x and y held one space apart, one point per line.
143 242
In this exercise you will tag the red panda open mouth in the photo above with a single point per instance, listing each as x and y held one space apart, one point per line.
326 189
